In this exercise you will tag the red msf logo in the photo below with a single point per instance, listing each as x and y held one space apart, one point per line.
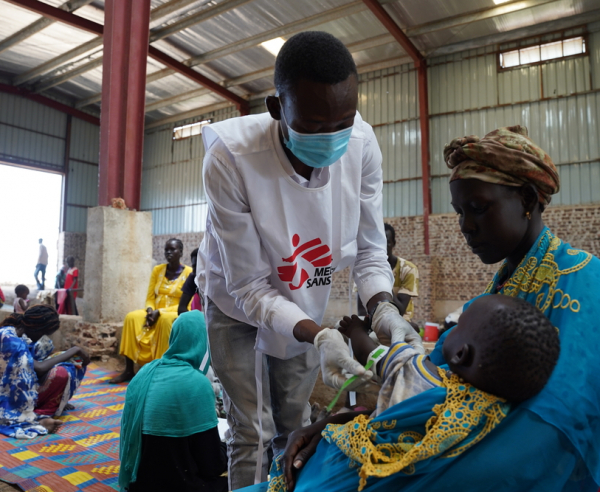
317 254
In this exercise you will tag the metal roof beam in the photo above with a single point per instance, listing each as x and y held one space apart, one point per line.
59 15
189 114
157 13
168 8
469 18
59 79
253 41
57 61
393 28
190 73
176 66
257 75
286 30
46 101
203 15
421 65
380 65
38 25
517 34
292 28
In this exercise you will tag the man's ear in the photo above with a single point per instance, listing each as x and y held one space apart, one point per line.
464 357
274 107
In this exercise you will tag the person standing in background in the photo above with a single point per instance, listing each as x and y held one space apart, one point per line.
42 263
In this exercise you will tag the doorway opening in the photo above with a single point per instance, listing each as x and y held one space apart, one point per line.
30 209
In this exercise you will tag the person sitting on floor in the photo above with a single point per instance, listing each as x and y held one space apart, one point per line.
36 384
21 301
190 290
146 332
502 352
169 435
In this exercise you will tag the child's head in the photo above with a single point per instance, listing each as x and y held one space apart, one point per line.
504 346
22 291
70 261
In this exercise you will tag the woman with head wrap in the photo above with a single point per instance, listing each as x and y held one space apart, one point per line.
169 435
36 384
500 185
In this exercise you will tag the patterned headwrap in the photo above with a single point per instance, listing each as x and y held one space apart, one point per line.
38 318
506 156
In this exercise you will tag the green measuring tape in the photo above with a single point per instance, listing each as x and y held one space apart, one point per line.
354 378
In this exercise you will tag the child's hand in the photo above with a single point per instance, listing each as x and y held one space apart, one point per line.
348 325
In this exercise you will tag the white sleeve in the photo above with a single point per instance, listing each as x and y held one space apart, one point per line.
372 272
246 267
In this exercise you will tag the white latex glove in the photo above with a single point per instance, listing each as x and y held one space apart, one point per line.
390 327
337 365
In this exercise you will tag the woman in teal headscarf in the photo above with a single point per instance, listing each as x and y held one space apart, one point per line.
500 186
169 436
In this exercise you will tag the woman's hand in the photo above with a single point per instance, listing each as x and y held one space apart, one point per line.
303 442
301 445
151 317
85 357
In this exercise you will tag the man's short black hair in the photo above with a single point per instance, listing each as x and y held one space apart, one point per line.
389 227
312 55
521 351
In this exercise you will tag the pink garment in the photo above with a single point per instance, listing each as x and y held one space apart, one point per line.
61 297
196 303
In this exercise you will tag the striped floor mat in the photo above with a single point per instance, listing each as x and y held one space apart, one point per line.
83 455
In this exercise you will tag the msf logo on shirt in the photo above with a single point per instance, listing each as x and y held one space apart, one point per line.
310 254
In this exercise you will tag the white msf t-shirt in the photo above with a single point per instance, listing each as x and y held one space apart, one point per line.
273 241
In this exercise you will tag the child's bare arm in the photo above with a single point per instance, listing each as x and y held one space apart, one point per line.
357 331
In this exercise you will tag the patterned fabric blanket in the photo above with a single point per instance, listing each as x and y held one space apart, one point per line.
83 455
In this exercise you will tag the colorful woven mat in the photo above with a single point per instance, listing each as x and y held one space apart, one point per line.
83 455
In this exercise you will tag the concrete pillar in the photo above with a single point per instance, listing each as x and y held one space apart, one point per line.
118 261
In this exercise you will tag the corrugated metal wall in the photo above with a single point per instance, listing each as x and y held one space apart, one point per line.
558 101
82 180
388 100
172 187
31 134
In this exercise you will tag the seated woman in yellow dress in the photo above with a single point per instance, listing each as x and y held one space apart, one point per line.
146 332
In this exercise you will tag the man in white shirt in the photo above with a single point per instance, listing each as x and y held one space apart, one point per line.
41 265
293 195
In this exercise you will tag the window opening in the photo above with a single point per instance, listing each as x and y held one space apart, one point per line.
191 130
543 52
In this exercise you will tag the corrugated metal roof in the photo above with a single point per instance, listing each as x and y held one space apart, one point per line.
433 25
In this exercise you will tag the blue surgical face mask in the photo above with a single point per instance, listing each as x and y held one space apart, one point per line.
317 149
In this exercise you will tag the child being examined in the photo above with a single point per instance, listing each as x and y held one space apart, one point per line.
502 352
502 345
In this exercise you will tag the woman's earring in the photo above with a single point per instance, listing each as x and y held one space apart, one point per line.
528 215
